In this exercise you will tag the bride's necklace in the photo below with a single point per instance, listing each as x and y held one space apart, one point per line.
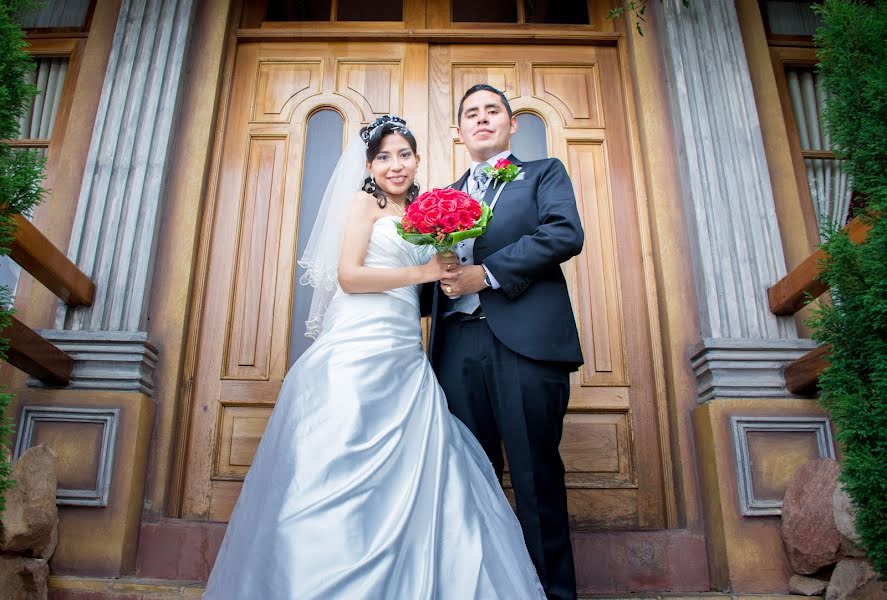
397 208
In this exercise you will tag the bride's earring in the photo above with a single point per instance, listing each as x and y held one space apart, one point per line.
413 192
371 186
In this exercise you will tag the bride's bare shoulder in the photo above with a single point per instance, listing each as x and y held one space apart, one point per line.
367 203
363 197
363 202
366 206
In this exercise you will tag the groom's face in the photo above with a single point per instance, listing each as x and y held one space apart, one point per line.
485 127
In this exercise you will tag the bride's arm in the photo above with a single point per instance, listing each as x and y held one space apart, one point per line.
355 278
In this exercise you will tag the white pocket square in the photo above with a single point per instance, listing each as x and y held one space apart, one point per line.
520 176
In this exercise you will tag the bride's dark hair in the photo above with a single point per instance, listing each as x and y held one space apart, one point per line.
372 135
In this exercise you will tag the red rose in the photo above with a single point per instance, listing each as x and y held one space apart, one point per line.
447 206
464 203
449 194
449 223
426 201
502 163
432 215
466 221
425 227
475 211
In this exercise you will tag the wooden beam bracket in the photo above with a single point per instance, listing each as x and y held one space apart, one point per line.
802 375
48 265
789 295
31 353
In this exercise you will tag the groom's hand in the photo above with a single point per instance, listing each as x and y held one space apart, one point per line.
470 281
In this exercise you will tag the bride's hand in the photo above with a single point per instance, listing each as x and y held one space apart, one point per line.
443 264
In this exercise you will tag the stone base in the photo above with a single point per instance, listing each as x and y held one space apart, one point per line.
179 549
98 539
744 467
107 360
622 562
607 562
745 368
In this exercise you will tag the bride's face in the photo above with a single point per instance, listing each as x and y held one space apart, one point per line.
394 167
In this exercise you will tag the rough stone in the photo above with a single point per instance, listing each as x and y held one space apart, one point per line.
850 581
812 540
845 521
873 590
806 586
28 525
24 578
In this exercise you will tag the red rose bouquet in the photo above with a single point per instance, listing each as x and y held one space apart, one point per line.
443 218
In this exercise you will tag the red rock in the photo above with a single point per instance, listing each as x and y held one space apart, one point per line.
873 590
845 521
23 577
812 540
855 579
28 525
806 586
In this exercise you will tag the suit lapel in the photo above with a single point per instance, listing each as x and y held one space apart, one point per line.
494 193
460 183
491 197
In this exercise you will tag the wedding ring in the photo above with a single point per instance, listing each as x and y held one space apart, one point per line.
449 289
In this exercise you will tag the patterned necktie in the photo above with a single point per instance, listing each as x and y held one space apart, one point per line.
481 181
470 302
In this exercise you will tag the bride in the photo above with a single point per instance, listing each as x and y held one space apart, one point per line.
364 486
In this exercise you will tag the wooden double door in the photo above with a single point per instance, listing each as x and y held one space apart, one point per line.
614 445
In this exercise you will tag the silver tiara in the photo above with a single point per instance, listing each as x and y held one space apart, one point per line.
367 132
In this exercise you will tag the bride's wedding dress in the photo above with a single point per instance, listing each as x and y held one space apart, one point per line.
364 486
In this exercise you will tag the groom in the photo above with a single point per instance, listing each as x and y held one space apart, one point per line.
503 338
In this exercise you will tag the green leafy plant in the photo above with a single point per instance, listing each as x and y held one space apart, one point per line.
21 173
639 9
852 56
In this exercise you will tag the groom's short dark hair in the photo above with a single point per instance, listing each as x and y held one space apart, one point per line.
483 87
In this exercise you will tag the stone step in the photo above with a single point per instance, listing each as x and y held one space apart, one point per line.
608 563
66 587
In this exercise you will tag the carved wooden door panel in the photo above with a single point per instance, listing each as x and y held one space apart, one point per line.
245 281
615 439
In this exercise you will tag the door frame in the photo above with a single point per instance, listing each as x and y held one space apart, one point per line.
513 34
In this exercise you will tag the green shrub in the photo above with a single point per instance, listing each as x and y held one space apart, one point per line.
21 173
853 65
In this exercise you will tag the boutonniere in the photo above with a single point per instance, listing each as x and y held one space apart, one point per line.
502 172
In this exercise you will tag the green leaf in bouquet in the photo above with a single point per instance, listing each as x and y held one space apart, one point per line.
419 239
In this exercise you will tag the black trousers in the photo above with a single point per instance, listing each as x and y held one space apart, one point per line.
507 399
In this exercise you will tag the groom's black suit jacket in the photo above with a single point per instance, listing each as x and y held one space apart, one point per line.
535 227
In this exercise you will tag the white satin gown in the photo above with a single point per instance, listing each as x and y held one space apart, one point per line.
364 486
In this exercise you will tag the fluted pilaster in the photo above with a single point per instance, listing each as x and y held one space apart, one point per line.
737 250
115 228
